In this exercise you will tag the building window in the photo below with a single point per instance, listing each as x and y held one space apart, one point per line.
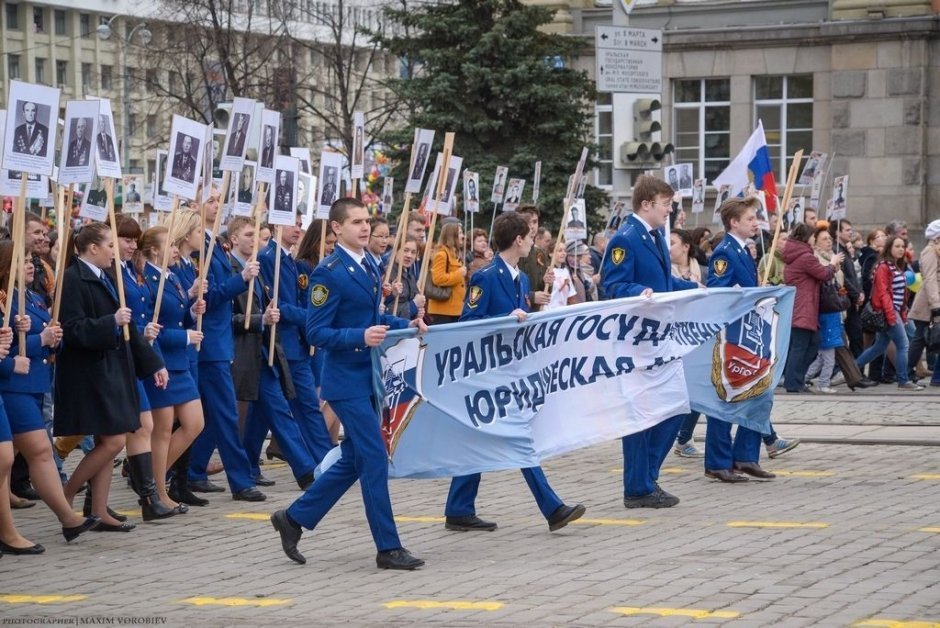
86 77
40 70
152 80
785 105
151 126
604 136
84 25
13 66
172 81
106 80
132 124
702 124
39 20
60 22
62 72
13 16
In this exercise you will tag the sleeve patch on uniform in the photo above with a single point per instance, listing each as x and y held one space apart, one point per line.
618 255
302 281
319 294
476 292
721 266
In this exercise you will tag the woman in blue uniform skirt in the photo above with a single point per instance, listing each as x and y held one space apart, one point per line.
180 399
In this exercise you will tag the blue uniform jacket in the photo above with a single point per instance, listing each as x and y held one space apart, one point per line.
137 295
731 265
631 264
344 301
492 292
175 318
39 378
224 285
289 300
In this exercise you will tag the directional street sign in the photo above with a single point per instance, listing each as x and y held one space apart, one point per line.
629 60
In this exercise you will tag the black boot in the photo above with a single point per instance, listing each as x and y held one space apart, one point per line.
141 472
179 483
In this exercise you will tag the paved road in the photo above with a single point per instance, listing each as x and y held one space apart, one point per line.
848 535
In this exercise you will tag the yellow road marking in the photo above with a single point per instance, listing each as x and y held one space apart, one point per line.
892 623
250 516
456 605
610 522
775 524
41 599
401 519
693 613
804 474
234 601
929 530
926 476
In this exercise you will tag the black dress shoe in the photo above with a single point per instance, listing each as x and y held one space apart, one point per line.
205 486
725 475
305 481
397 559
86 509
753 469
290 535
657 499
124 526
250 494
181 508
25 491
21 551
564 515
260 480
469 523
72 533
271 455
181 494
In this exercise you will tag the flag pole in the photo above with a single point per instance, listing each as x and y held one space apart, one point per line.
787 194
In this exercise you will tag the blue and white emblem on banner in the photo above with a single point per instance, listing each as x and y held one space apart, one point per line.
402 367
745 353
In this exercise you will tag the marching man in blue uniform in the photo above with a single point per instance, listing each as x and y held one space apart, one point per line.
636 263
290 334
731 265
344 320
501 289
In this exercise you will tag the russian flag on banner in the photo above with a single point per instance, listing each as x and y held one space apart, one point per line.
752 165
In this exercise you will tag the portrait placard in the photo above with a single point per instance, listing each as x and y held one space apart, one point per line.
816 162
514 195
161 198
187 141
357 160
94 200
270 128
446 203
723 193
698 196
29 138
679 177
236 136
107 159
536 182
331 167
836 209
471 191
245 189
499 184
419 160
77 162
282 200
306 199
303 155
576 228
388 198
131 194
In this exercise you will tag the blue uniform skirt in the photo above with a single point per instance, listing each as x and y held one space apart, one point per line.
5 433
182 388
24 412
142 394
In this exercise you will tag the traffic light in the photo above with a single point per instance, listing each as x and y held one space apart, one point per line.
646 145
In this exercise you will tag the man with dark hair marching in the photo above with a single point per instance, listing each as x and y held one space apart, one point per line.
345 320
501 289
636 263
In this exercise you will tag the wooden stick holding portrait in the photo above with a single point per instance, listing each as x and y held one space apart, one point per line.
787 195
109 187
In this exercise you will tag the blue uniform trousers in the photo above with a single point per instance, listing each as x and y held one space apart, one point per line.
271 412
306 410
463 493
221 430
719 451
364 458
644 453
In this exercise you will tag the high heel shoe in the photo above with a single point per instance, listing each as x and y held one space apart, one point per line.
86 508
73 533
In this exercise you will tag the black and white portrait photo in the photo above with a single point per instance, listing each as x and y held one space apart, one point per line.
236 144
78 152
104 141
420 161
184 160
284 192
31 136
329 186
267 146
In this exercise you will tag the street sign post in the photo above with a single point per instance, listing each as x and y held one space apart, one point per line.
629 60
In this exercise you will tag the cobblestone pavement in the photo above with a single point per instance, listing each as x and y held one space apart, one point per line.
847 535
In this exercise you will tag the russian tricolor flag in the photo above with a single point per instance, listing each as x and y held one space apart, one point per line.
752 165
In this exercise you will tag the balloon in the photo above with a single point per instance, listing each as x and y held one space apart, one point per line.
909 277
916 284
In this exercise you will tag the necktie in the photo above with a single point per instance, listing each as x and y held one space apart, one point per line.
657 240
108 285
368 268
518 286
